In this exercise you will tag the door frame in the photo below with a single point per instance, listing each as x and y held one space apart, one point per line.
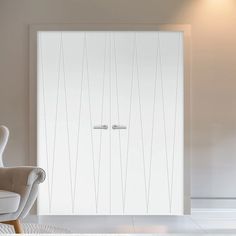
185 29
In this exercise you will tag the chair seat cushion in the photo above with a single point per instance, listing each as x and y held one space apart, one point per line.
9 202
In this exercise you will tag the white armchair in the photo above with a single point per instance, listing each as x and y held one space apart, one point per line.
18 188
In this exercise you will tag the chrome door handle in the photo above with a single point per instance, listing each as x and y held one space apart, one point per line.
100 127
118 127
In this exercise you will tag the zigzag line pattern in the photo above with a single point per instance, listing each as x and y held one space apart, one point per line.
129 79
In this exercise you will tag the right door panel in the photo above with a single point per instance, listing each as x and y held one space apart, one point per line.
147 102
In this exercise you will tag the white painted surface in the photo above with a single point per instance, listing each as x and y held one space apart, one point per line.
131 79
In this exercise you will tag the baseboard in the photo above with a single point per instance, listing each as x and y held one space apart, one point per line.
226 204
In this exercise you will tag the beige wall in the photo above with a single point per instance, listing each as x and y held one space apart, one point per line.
213 84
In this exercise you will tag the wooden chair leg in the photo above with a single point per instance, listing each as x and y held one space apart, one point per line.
16 224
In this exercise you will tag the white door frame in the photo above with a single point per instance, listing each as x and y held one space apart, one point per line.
186 29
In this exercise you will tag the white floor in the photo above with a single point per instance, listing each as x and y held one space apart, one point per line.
204 222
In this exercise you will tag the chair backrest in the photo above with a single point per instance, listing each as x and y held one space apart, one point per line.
4 135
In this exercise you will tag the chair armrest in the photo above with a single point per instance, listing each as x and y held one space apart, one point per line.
20 176
24 181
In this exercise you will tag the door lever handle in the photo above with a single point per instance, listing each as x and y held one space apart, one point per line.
118 127
100 127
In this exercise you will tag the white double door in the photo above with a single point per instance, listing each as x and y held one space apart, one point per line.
110 122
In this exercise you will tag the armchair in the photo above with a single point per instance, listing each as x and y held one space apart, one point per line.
18 188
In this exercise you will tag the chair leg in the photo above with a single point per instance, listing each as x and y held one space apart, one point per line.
16 224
